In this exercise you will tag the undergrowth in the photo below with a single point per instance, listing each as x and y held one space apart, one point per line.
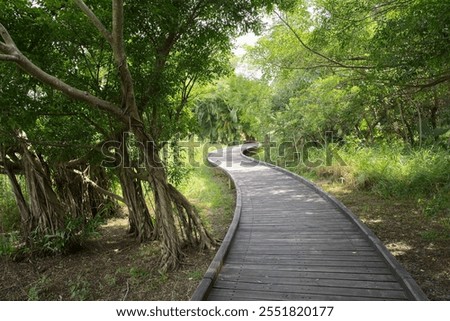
390 170
9 213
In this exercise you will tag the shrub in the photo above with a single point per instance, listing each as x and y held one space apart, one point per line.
9 213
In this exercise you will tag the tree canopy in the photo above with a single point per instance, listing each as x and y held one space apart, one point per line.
90 73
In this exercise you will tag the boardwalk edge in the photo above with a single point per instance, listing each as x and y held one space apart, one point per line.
413 289
205 285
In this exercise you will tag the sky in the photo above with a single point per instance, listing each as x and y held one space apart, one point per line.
250 39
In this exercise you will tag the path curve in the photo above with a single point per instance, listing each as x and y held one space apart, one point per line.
289 240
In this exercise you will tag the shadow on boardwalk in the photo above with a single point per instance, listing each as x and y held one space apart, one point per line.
291 241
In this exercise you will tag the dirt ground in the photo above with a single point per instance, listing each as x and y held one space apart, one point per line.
112 267
418 242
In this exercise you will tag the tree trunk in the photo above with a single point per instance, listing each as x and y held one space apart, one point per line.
100 203
72 191
46 210
409 135
171 244
83 200
20 199
178 224
141 225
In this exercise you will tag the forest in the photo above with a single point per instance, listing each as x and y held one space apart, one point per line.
101 100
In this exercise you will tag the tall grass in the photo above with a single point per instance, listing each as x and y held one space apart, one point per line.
389 172
392 171
208 190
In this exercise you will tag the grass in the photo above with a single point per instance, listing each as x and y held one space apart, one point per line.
79 289
208 191
392 171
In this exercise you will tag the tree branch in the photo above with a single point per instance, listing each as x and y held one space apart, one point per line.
4 47
8 57
97 187
95 20
431 82
117 33
126 80
23 62
68 90
317 53
6 36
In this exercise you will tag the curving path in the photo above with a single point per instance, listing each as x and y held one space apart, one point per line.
291 241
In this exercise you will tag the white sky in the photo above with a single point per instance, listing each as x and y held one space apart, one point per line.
239 51
248 39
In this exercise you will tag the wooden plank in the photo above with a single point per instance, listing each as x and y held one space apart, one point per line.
246 295
324 252
290 237
287 257
238 272
324 282
296 268
315 290
302 247
306 262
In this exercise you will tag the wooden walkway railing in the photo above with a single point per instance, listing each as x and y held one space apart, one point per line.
289 240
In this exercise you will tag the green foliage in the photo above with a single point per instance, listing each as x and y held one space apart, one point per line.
79 289
195 275
393 171
9 244
138 273
208 191
227 112
37 288
176 159
9 213
73 236
437 203
355 68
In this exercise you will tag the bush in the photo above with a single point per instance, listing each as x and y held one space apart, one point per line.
71 238
422 175
8 244
9 213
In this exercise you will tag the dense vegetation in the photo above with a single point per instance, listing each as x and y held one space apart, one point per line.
358 90
92 93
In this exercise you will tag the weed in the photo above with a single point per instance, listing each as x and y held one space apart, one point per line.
35 291
8 243
433 236
73 236
79 289
195 275
138 273
110 280
163 277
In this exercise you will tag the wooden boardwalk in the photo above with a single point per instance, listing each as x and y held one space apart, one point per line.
291 241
